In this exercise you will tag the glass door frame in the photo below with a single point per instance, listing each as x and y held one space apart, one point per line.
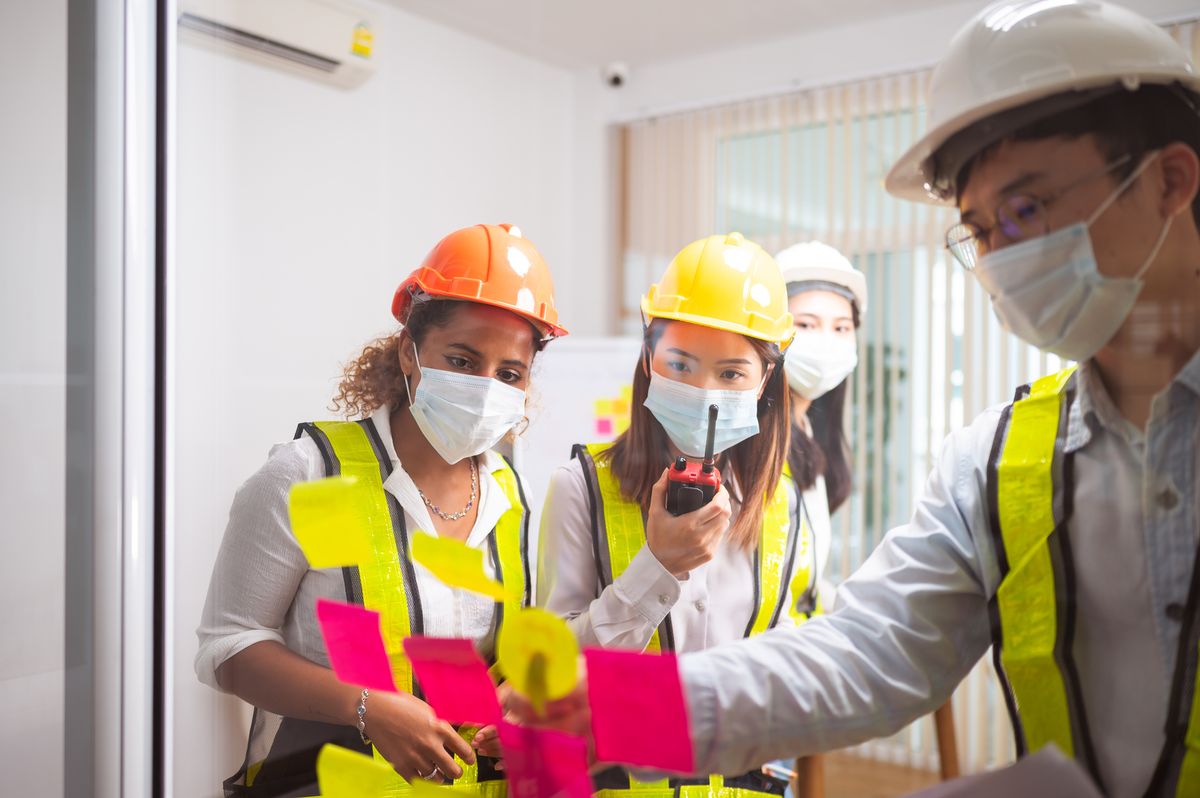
119 222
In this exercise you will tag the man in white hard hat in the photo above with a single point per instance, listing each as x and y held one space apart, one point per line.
1062 527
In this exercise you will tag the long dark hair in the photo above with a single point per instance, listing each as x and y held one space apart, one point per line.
640 454
826 452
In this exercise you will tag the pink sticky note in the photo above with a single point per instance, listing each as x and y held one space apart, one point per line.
540 763
355 645
455 679
639 716
604 426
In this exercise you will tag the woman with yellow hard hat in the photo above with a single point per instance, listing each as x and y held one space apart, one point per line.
429 403
614 560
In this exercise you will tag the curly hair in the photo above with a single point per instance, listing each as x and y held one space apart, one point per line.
374 379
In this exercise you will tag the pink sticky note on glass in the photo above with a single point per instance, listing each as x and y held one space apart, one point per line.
355 645
604 426
540 763
455 679
639 716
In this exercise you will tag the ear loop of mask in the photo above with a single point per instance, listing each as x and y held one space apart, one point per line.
1162 237
1125 184
772 367
407 388
1120 189
645 345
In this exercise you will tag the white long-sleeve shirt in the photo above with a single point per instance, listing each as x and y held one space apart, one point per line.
262 587
909 625
712 606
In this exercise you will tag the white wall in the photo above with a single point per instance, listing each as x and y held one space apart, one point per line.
33 45
888 43
300 208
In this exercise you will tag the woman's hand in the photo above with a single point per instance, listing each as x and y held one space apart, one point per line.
487 740
571 714
413 739
684 542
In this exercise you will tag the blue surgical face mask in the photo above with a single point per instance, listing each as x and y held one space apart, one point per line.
462 415
1049 291
682 410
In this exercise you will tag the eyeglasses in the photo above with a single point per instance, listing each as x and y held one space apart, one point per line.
1018 218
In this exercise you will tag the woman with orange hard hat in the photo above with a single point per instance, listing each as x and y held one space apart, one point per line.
426 405
615 559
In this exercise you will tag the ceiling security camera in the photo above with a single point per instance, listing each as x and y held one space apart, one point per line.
616 74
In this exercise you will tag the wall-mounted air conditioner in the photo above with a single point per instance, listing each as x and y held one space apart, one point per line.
327 40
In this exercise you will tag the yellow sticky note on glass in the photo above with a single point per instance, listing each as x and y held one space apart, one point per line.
342 773
329 521
604 407
457 565
427 789
539 655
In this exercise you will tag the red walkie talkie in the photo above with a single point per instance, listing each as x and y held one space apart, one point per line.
690 485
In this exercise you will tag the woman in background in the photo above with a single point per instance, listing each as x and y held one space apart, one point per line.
827 297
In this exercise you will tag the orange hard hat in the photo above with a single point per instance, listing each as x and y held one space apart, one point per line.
489 263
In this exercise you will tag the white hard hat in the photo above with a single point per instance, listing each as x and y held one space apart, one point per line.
814 262
1013 54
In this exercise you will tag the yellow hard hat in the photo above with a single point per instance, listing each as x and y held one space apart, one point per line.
727 283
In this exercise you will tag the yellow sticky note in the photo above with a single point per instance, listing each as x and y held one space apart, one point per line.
329 521
456 564
627 393
342 773
620 407
603 407
539 655
427 789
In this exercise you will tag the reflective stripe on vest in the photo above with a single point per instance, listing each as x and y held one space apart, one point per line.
619 533
388 583
1033 610
806 598
1030 499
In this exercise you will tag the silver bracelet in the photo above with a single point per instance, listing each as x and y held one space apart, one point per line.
362 716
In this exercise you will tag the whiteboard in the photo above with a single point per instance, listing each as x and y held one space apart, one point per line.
579 394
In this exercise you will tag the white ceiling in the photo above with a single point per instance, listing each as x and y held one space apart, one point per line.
591 33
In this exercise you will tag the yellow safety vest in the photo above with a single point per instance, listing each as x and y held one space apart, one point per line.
619 533
1030 487
387 583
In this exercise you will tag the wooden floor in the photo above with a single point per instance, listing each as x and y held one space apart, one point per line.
848 776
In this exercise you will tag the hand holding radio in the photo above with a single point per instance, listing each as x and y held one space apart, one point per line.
691 485
689 511
682 542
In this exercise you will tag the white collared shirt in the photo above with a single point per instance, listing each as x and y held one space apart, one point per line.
263 589
910 624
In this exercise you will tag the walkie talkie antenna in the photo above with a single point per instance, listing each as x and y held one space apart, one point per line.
709 441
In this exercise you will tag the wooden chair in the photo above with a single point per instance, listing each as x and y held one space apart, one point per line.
810 770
